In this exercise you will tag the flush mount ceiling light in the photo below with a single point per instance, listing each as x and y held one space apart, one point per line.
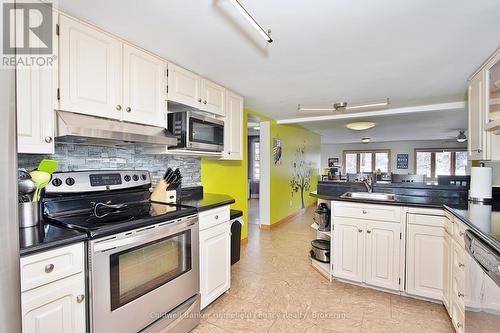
365 140
342 106
265 34
360 125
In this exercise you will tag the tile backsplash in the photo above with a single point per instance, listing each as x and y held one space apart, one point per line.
85 157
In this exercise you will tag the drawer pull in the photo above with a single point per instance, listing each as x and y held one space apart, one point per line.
216 217
364 211
360 230
459 325
460 294
49 268
80 298
461 233
461 265
368 231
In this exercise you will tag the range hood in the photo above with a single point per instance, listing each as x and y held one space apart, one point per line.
78 128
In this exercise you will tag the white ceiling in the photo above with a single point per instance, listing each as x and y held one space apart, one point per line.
431 125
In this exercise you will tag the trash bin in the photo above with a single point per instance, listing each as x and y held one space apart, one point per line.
236 223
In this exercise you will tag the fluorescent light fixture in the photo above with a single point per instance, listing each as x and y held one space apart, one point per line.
360 125
344 106
265 34
365 140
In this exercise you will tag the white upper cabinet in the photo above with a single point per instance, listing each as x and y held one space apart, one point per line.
183 86
143 82
477 136
213 97
90 70
233 127
35 103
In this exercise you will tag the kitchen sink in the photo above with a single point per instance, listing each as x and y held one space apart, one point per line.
369 196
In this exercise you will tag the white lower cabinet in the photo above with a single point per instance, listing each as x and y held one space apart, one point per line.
215 254
56 303
367 251
447 257
425 255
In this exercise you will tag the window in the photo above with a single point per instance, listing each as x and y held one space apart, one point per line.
366 161
440 162
256 163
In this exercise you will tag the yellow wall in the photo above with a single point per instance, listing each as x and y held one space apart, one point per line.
231 177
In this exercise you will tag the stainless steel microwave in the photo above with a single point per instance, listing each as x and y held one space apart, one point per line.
196 132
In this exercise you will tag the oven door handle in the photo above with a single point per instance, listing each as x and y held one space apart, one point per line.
149 234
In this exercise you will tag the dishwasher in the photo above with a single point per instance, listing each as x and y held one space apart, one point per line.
482 301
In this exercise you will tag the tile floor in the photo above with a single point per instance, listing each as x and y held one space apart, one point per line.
275 289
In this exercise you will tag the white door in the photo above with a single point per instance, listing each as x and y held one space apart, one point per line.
382 254
424 266
215 262
447 271
183 86
476 135
57 307
35 103
233 127
348 249
143 82
213 97
90 70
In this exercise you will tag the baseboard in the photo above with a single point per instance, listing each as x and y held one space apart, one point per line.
244 241
288 218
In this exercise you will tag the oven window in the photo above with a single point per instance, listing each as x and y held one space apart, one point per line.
137 271
205 132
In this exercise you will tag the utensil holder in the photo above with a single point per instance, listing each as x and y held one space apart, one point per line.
29 214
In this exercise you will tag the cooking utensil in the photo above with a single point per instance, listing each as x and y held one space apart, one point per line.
48 166
41 179
23 174
26 186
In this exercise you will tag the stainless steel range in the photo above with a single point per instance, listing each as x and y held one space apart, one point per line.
142 256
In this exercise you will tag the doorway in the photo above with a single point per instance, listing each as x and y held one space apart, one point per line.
254 169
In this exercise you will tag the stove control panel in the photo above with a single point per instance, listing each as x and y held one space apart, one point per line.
97 180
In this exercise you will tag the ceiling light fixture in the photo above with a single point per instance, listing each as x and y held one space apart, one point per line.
365 140
461 137
253 22
344 106
360 125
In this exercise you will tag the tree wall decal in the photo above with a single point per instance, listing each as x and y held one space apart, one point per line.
301 173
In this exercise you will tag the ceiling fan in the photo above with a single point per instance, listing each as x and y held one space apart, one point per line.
460 138
344 106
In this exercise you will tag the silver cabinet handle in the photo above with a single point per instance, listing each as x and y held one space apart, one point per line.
128 109
49 268
459 325
119 107
461 265
48 139
199 100
360 230
80 298
461 233
368 231
479 150
216 217
364 211
460 294
205 102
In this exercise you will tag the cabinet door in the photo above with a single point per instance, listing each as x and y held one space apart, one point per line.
215 262
143 82
183 86
57 307
348 249
90 69
476 135
35 103
447 271
213 97
382 254
233 127
424 266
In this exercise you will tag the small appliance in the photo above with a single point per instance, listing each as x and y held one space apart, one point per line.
322 217
320 250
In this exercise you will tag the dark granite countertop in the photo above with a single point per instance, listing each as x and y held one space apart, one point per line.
208 201
45 237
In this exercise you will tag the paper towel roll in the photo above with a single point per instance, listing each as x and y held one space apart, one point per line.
480 183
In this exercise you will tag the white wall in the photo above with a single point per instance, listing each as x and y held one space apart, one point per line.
496 172
396 147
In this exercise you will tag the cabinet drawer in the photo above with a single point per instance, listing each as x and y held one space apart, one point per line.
213 217
459 229
426 220
458 259
49 266
367 211
458 317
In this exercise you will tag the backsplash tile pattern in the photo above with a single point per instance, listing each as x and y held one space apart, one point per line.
84 157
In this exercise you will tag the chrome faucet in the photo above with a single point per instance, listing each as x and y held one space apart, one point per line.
368 182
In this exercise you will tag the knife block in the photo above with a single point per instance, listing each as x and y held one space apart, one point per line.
161 194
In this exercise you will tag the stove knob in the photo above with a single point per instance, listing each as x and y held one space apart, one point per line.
126 178
135 177
70 181
56 182
143 176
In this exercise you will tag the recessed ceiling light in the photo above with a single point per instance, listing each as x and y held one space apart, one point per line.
365 140
360 125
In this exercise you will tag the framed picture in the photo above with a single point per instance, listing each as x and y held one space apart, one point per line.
277 151
402 161
333 162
